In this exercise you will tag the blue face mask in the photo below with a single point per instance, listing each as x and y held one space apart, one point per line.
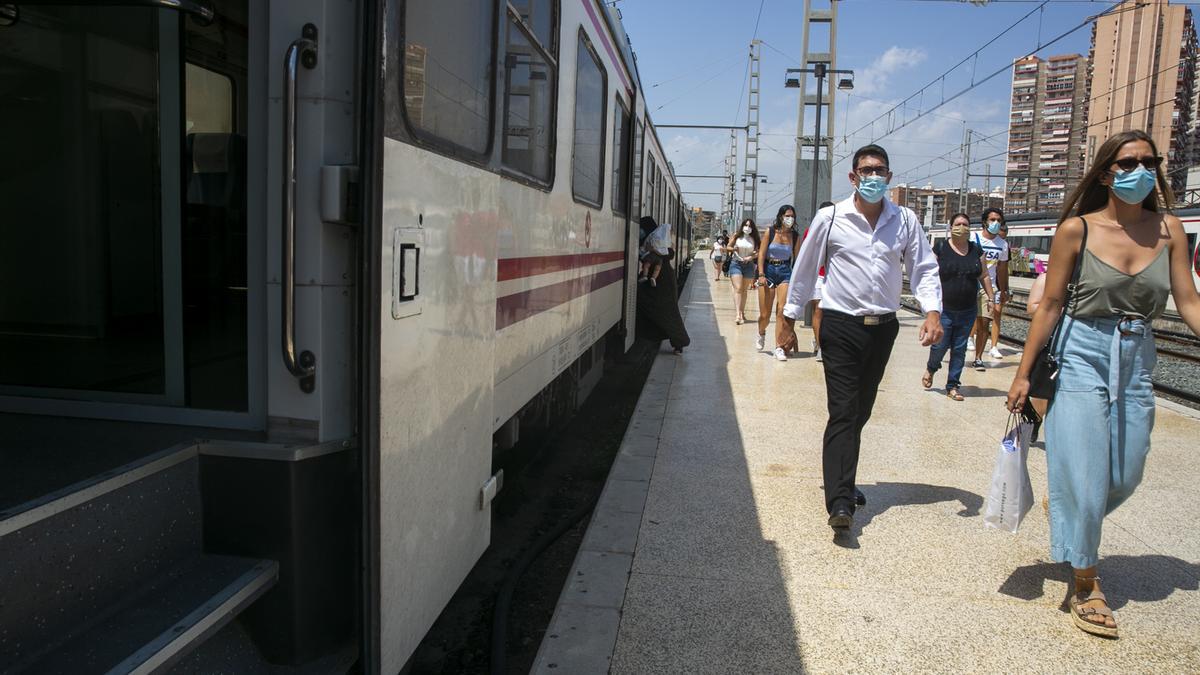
993 227
872 188
1134 186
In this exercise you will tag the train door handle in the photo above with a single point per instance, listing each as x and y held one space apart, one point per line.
302 51
407 246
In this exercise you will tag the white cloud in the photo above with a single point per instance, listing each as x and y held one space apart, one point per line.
874 78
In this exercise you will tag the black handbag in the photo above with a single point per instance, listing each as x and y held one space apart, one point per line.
1043 377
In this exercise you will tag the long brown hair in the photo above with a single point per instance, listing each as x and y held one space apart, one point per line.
753 236
1092 195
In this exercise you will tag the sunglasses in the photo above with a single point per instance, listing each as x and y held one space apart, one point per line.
871 171
1130 163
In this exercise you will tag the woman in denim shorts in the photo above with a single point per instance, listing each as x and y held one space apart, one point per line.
774 273
743 252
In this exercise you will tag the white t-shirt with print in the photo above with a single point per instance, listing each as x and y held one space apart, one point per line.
995 251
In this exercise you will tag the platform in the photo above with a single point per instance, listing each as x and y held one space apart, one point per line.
709 550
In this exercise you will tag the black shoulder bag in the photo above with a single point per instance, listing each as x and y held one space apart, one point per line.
1043 378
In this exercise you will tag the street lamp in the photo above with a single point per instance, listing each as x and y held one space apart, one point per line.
819 71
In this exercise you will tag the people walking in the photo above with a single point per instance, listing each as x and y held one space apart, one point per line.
718 254
995 251
774 274
961 269
1129 257
743 252
865 242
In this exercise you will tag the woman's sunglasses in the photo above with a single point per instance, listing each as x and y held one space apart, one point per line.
1131 163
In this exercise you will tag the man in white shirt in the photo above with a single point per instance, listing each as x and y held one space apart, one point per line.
863 242
995 253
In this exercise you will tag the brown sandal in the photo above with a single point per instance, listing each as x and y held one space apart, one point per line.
954 395
1084 617
927 380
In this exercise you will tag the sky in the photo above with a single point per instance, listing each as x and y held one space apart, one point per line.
692 58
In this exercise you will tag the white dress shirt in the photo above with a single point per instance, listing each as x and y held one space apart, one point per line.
863 269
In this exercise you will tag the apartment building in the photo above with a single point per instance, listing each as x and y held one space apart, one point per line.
1143 76
1046 135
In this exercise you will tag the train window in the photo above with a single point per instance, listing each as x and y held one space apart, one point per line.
209 101
639 137
587 162
620 161
448 52
651 169
530 83
538 16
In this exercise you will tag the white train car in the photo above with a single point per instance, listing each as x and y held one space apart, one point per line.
281 279
1030 238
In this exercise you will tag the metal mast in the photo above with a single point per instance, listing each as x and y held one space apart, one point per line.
806 145
729 210
750 175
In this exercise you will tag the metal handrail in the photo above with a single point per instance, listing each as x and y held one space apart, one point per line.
200 10
303 50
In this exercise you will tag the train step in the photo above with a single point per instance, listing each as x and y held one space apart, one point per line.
110 573
170 616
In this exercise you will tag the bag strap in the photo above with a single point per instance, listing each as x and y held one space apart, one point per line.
825 257
1071 286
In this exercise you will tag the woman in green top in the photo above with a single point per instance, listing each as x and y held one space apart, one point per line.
1099 422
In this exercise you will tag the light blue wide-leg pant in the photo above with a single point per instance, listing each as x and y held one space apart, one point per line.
1097 429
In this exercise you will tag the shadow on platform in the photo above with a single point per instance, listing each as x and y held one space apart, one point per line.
1137 578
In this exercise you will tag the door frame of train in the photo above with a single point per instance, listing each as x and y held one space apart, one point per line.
169 408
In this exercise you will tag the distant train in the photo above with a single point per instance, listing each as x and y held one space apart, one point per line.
1030 237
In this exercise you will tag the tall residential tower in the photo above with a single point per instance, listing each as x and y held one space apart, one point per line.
1046 132
1143 76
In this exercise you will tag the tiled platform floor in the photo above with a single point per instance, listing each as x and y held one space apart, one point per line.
709 551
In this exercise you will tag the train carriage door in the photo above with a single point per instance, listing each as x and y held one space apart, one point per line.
123 197
432 260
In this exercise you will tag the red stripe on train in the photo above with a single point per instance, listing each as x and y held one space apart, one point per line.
519 268
603 33
517 307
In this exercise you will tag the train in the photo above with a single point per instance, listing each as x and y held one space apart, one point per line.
290 277
1029 237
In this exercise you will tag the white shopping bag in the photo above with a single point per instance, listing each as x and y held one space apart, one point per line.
1011 495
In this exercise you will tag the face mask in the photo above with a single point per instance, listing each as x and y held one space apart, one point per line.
959 230
746 230
1134 186
993 227
789 221
872 188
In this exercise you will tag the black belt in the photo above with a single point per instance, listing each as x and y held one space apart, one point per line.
771 261
866 320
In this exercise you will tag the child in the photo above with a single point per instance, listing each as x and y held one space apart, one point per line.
654 251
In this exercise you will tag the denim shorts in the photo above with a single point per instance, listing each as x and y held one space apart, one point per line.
778 273
742 269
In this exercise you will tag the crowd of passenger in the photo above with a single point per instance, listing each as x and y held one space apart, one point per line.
1086 368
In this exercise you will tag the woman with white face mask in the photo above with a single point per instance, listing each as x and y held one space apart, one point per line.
1130 256
774 273
743 252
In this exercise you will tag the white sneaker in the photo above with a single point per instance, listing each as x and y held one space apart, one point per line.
970 344
760 342
819 358
780 355
995 353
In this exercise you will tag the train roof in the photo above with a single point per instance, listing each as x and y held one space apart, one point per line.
1052 216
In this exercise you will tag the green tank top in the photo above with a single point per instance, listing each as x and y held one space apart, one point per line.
1104 290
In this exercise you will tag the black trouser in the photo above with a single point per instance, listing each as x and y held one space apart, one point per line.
855 358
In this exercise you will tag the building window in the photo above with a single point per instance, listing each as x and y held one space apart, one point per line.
587 160
448 51
530 83
620 157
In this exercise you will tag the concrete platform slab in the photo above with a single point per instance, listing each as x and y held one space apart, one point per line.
715 516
